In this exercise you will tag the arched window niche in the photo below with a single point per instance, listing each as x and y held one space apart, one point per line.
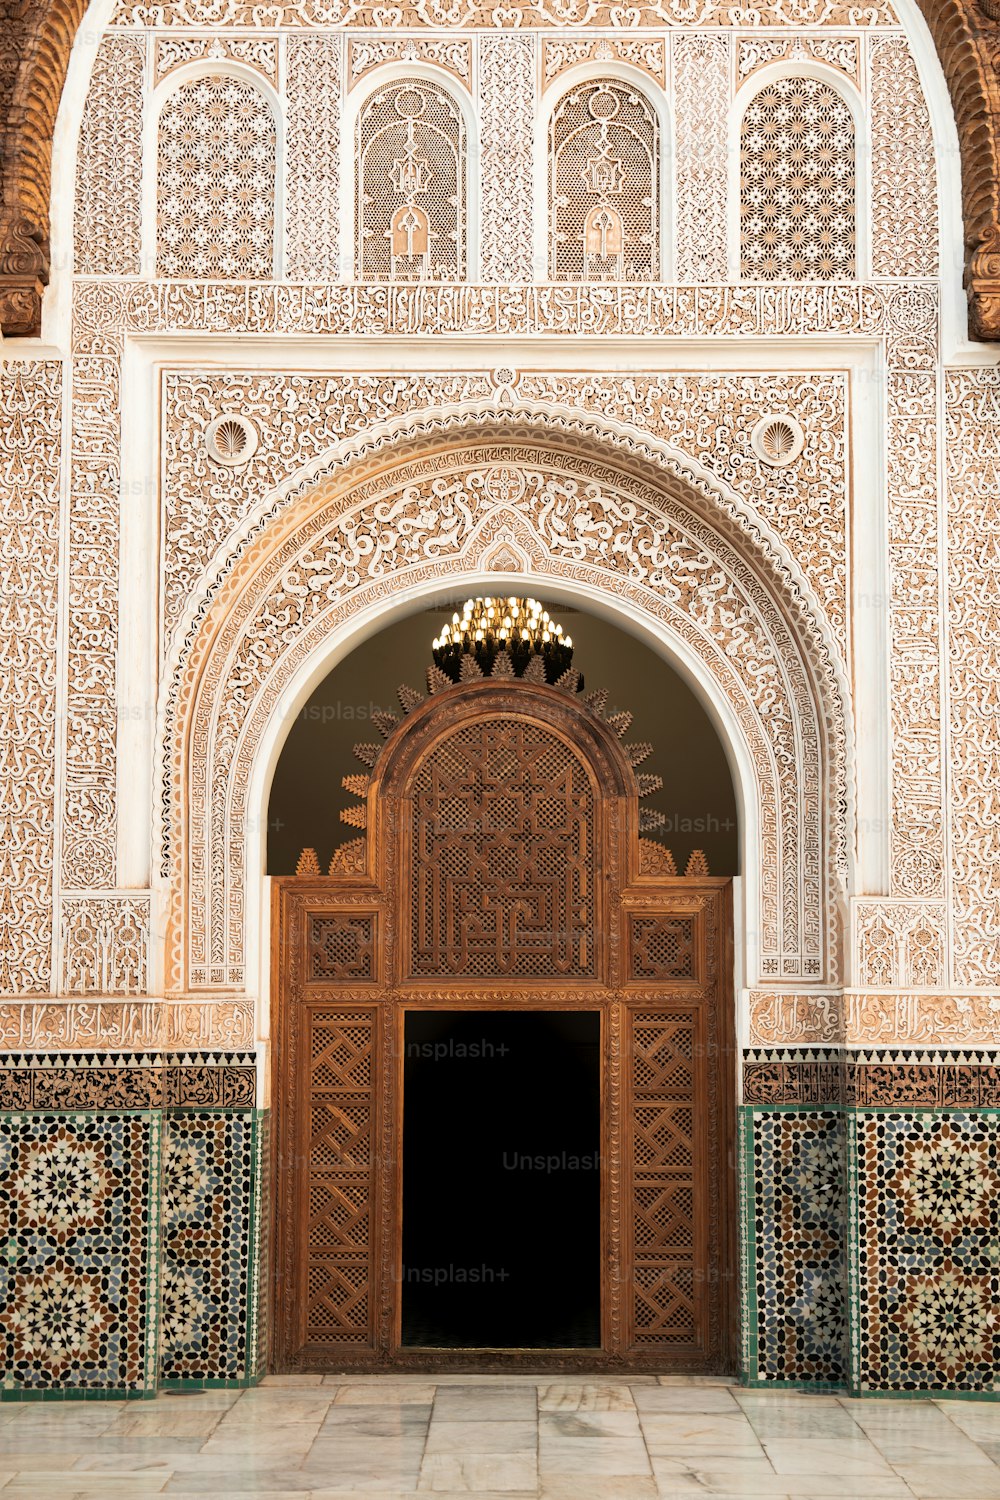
410 208
604 183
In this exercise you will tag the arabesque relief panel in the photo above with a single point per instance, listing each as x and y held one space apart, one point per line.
671 560
710 418
30 465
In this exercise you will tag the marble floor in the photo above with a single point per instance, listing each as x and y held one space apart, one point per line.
500 1438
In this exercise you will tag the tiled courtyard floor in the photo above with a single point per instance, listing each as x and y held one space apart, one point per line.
385 1437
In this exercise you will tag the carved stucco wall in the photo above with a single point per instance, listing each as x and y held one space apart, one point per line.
934 864
41 34
834 587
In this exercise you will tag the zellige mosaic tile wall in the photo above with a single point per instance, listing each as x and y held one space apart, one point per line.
132 1235
872 1227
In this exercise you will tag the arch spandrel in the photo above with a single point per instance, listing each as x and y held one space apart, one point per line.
723 602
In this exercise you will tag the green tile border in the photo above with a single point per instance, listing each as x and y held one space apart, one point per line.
76 1393
749 1343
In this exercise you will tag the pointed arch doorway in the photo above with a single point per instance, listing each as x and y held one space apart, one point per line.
502 897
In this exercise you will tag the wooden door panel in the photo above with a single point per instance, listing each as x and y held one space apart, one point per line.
665 1105
521 840
337 1192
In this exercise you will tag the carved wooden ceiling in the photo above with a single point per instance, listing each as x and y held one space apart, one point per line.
37 36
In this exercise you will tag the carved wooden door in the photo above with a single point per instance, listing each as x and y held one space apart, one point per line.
502 867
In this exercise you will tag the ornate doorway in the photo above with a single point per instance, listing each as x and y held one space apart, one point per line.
502 870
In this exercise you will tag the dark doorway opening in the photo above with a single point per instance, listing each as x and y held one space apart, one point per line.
501 1180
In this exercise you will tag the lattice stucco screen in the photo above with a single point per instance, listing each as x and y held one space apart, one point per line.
797 187
215 182
410 200
603 185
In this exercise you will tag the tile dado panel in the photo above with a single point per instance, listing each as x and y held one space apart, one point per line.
871 1186
130 1191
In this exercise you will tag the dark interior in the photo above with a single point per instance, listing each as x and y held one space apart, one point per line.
501 1180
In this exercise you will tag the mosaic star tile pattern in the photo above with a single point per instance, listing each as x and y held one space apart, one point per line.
928 1250
798 1270
78 1199
210 1226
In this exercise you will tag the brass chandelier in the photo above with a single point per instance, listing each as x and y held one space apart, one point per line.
522 629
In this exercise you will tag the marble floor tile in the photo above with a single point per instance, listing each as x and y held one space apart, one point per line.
945 1482
287 1413
199 1400
690 1475
620 1487
605 1457
155 1420
372 1476
62 1421
499 1403
265 1482
140 1482
909 1447
521 1438
844 1487
669 1398
402 1452
716 1432
389 1393
690 1380
903 1416
279 1380
164 1457
472 1472
856 1457
378 1421
377 1475
531 1494
44 1452
480 1437
569 1395
507 1377
978 1419
589 1424
262 1437
784 1396
801 1421
685 1494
